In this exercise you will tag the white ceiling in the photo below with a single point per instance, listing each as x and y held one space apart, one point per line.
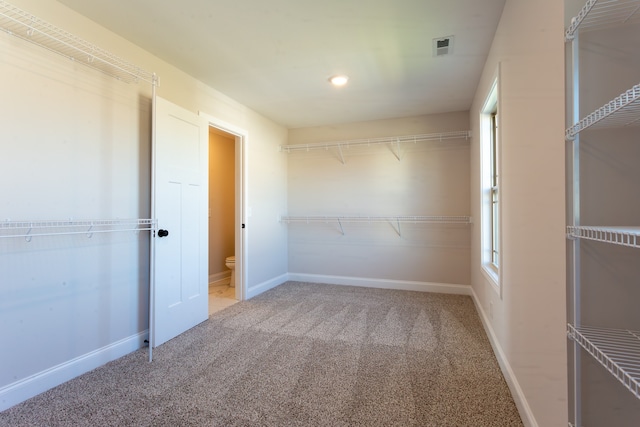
275 56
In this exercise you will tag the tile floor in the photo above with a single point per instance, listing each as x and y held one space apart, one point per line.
221 295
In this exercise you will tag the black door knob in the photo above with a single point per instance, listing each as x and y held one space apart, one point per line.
163 233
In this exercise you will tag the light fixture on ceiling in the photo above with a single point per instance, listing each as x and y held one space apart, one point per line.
339 80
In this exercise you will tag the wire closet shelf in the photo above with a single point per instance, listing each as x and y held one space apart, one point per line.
30 229
372 219
27 27
397 220
597 14
442 136
624 236
624 110
618 350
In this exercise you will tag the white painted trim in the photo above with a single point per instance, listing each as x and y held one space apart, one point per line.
219 276
493 98
33 385
265 286
516 391
493 277
241 188
405 285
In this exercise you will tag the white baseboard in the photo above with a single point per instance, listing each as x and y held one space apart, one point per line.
405 285
33 385
516 391
265 286
219 276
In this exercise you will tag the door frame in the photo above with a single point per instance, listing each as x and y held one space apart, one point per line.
240 235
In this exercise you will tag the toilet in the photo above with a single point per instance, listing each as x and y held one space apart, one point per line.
230 262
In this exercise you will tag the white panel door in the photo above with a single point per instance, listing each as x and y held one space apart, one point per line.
180 206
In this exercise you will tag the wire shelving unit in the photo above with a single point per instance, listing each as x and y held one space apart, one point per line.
397 220
28 27
624 110
30 229
597 14
618 350
394 141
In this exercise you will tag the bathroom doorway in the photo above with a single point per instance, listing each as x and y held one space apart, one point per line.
226 224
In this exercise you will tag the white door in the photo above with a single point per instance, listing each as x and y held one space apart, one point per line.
180 300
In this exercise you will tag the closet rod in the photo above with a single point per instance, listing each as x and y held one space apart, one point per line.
28 27
373 141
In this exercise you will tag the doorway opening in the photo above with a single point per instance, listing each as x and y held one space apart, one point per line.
221 220
226 215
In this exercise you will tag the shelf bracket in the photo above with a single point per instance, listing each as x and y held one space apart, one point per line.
341 156
340 225
396 153
398 230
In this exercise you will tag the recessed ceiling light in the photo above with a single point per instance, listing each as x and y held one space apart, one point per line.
340 80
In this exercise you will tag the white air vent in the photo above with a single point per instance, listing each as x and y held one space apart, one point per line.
443 46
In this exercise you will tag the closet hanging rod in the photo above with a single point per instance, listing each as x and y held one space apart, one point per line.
29 229
374 141
28 27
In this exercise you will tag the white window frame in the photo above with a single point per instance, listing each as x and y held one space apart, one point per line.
491 229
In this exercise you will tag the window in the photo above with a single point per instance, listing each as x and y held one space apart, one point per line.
490 181
495 235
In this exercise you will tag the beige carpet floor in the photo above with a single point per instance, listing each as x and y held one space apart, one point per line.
300 355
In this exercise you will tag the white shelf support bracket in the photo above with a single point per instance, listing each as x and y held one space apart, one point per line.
396 144
340 224
341 156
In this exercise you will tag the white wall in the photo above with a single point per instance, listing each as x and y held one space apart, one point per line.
431 178
527 323
76 144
